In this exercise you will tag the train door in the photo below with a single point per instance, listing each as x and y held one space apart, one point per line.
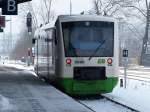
50 54
53 49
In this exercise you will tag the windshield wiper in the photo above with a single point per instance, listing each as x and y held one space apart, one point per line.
73 50
95 51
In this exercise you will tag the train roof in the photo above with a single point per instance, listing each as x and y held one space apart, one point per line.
39 33
69 18
65 18
49 25
42 30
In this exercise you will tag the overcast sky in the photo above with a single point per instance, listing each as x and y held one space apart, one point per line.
59 6
63 6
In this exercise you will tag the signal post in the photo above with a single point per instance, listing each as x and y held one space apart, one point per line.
125 58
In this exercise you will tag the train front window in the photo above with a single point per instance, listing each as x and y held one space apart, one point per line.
82 38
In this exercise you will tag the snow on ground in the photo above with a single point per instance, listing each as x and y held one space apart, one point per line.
104 105
136 95
5 103
18 65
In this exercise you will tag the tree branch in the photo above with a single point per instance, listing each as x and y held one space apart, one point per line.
137 9
96 7
146 4
110 1
49 10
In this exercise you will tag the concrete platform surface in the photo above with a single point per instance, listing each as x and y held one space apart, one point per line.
20 91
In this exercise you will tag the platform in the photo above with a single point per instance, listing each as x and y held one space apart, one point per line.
22 91
56 101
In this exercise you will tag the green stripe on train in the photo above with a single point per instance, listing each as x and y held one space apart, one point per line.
76 87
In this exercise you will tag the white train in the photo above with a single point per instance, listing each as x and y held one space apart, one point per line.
79 52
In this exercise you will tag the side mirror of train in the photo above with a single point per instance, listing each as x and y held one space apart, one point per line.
33 41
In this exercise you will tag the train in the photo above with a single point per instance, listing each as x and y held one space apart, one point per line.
79 53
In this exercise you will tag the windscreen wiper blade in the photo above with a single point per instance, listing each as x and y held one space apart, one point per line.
101 43
73 49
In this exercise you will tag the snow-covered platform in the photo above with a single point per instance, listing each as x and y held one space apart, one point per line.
33 93
22 91
56 101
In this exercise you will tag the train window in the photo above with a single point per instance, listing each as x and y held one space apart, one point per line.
83 38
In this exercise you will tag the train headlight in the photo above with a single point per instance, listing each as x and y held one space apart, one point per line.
109 60
68 61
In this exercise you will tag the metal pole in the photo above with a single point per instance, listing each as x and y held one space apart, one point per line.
3 45
125 73
125 76
70 7
10 40
47 57
29 55
37 57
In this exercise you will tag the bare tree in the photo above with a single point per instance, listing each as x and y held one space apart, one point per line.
24 9
139 9
145 12
41 14
145 38
108 7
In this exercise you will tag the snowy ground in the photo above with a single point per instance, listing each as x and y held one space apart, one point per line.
136 95
21 91
18 65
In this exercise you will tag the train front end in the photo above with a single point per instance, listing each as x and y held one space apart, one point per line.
88 54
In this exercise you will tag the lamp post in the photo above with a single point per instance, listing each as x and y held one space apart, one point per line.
29 26
10 40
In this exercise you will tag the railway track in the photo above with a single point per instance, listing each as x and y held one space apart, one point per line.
86 106
124 107
121 104
143 76
137 73
90 104
140 76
